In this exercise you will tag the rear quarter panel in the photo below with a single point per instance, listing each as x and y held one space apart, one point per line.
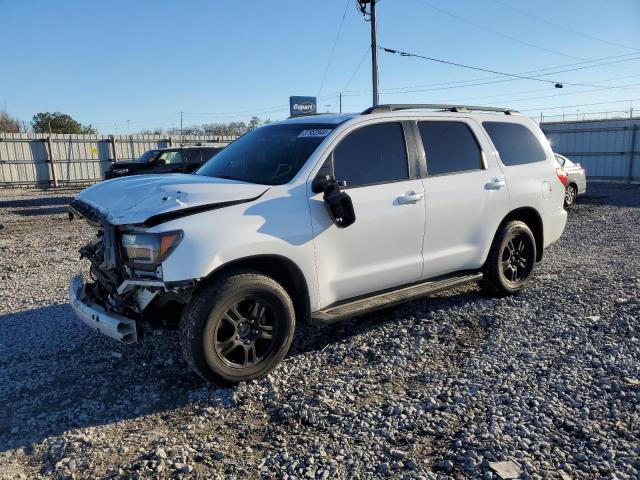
535 184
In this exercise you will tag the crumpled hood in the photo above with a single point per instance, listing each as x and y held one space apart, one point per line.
133 200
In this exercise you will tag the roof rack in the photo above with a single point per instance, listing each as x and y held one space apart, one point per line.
392 107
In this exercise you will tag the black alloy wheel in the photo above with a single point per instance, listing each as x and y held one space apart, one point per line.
245 334
511 260
518 257
237 327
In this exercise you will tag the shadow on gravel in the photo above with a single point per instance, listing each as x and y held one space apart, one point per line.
63 376
311 338
610 194
58 375
31 212
35 202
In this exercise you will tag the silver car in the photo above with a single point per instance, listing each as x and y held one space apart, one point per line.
576 179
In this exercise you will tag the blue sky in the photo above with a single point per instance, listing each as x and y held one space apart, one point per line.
145 61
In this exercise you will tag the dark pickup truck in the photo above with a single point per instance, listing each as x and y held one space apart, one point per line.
182 159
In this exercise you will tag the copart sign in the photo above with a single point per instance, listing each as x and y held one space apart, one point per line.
302 105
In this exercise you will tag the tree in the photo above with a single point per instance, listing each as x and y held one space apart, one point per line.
147 131
8 123
58 123
254 123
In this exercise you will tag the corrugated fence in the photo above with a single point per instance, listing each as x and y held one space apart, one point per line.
62 159
608 149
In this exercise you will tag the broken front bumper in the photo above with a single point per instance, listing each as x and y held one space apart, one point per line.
111 324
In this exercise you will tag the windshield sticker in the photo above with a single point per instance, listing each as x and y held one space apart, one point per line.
315 132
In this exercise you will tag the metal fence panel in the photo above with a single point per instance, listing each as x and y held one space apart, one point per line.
606 148
40 159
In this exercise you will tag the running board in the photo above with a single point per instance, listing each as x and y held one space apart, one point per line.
386 298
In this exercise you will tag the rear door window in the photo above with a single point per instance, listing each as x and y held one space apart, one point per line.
372 154
449 147
192 155
516 144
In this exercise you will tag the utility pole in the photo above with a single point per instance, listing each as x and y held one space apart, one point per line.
374 53
374 43
340 102
181 127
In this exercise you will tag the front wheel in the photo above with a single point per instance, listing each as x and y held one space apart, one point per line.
511 260
570 194
237 328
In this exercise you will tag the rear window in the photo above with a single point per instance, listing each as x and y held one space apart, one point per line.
516 144
450 147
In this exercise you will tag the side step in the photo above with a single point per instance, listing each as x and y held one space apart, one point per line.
386 298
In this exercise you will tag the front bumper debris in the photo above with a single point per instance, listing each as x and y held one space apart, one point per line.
111 324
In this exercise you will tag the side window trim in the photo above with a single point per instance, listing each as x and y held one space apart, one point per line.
419 149
407 141
423 155
413 157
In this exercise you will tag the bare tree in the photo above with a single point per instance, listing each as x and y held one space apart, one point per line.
147 131
8 124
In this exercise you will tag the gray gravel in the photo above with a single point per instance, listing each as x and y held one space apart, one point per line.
546 383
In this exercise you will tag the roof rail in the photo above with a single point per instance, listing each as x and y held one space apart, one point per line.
391 107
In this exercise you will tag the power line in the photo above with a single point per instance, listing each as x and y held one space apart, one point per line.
527 99
564 28
513 75
502 95
333 48
504 35
579 105
364 55
460 82
557 84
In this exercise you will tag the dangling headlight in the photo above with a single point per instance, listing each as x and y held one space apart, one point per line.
145 251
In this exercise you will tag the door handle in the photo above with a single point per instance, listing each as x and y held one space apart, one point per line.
410 198
495 184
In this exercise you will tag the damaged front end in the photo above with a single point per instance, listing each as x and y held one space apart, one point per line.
125 276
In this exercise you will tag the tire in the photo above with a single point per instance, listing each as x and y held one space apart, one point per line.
570 194
511 261
236 328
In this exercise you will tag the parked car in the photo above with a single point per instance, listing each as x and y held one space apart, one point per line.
183 159
576 179
319 218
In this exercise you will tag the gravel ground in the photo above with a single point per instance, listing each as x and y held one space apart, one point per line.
547 381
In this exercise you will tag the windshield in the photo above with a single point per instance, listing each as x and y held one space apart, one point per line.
269 155
148 156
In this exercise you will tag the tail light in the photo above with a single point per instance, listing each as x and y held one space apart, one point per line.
562 176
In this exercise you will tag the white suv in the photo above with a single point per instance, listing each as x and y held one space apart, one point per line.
318 218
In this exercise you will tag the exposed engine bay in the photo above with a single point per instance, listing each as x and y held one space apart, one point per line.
116 286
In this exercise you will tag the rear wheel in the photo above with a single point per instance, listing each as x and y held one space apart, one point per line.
237 328
511 260
570 194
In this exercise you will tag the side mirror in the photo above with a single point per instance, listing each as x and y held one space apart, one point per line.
161 161
338 203
320 183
